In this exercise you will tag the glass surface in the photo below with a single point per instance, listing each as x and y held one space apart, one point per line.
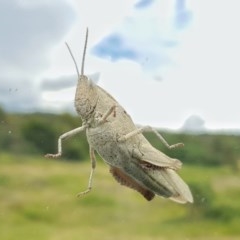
172 65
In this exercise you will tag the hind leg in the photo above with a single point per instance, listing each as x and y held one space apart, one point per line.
149 129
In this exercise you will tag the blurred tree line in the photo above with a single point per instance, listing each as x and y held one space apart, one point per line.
37 133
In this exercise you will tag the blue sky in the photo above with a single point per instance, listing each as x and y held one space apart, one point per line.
165 60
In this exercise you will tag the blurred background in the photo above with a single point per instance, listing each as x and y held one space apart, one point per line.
172 64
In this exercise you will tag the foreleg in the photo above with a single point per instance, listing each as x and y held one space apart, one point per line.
93 163
111 110
63 136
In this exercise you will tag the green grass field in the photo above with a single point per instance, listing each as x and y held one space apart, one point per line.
38 201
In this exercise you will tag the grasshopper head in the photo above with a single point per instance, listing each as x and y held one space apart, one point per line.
86 97
86 92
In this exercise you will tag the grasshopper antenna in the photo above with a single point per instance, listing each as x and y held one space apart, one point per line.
83 57
84 52
75 63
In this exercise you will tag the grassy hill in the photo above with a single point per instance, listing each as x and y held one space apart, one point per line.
38 201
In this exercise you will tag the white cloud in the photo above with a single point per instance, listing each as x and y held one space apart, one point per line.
28 33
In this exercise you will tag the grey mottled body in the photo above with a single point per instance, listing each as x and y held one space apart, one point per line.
133 161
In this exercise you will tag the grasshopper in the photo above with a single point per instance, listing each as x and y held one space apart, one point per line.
111 132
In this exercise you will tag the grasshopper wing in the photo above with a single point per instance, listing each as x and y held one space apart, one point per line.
172 181
147 153
184 193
